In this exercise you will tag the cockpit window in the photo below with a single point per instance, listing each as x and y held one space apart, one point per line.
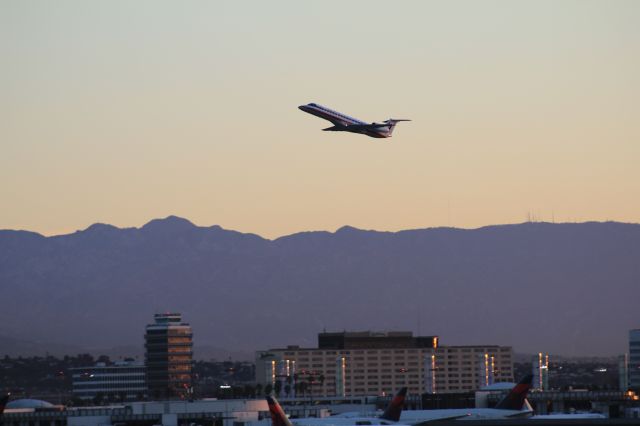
312 104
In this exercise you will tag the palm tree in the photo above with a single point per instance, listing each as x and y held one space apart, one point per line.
99 398
310 380
287 389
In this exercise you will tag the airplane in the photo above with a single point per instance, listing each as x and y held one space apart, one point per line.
513 405
390 416
344 123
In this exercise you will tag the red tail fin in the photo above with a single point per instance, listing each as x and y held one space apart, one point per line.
515 398
394 410
278 417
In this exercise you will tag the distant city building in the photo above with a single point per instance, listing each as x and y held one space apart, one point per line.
120 382
368 363
634 359
623 372
169 357
540 371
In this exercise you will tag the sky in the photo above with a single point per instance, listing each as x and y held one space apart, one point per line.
120 112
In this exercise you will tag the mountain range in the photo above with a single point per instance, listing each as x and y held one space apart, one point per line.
569 288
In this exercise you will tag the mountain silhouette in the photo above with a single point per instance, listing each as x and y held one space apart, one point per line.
568 288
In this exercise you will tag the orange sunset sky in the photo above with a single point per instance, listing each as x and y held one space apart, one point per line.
121 112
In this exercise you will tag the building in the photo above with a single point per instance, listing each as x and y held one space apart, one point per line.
468 368
236 412
623 372
368 363
540 371
122 381
634 359
168 357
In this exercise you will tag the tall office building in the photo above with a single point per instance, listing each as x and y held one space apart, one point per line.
540 371
168 357
634 359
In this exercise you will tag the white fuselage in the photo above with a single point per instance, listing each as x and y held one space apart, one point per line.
562 416
413 417
343 421
418 416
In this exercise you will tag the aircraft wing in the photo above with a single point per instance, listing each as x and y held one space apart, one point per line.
519 414
373 126
440 418
347 415
367 126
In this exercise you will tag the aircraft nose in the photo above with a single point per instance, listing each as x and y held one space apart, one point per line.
302 107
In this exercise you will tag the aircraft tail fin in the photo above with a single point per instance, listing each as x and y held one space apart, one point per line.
278 417
394 410
392 123
515 399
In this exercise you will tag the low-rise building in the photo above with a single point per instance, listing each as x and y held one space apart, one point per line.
121 381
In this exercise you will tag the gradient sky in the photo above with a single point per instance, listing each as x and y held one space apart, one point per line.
120 112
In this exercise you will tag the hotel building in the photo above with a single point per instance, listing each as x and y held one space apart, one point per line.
368 363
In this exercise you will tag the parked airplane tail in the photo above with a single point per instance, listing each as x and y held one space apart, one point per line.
516 397
278 417
394 410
